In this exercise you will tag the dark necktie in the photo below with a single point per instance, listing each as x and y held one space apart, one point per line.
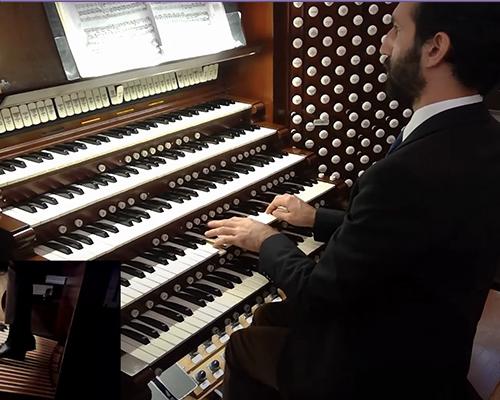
396 143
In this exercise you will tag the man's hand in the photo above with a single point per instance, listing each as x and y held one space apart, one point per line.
242 232
292 210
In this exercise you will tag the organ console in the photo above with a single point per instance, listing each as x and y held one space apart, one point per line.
131 166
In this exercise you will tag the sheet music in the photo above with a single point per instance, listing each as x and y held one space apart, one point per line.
106 38
192 29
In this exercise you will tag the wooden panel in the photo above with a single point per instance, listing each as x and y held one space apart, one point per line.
29 58
253 77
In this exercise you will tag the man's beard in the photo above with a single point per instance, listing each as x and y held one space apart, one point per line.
404 78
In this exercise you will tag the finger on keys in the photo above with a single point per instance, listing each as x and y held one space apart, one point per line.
278 201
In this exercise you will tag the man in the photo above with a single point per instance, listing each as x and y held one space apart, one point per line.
390 310
19 304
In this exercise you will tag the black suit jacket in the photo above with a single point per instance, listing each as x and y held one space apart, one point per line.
392 306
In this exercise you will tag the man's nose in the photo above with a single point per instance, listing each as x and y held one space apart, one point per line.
386 46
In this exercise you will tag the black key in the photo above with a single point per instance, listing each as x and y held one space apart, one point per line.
194 145
149 206
210 139
228 276
80 238
134 335
159 203
112 134
69 242
301 182
153 322
120 220
78 144
90 185
130 170
48 199
124 282
121 131
108 178
38 204
215 178
142 214
190 238
219 281
28 208
199 294
182 193
64 193
192 299
32 158
183 242
91 140
162 253
106 227
170 156
265 159
43 154
177 198
276 155
261 207
169 313
94 231
128 214
59 247
207 288
148 255
67 146
100 181
298 186
141 266
17 163
238 168
121 172
142 165
132 271
7 167
74 189
199 143
195 185
172 249
157 160
102 138
178 307
177 152
144 329
227 174
239 269
250 162
186 148
205 182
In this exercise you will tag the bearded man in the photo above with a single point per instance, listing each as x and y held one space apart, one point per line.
390 310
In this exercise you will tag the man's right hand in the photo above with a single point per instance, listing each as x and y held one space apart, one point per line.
291 209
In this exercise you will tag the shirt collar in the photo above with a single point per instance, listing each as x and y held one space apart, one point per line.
428 111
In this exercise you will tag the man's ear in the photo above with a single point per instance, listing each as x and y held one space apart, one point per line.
434 51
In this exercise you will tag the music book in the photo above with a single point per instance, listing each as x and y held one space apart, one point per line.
107 38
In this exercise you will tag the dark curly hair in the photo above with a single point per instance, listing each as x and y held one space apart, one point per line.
474 31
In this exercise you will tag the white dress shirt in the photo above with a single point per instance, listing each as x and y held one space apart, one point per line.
424 113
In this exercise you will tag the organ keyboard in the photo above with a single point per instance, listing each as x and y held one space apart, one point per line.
131 167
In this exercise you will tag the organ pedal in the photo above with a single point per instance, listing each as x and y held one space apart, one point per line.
36 377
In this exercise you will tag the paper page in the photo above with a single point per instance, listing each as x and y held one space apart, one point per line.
106 38
192 29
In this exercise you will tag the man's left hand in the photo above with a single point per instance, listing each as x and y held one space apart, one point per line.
242 232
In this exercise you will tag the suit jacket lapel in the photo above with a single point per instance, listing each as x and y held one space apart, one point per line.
455 116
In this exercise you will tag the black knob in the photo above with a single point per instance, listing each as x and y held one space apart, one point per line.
214 365
201 376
